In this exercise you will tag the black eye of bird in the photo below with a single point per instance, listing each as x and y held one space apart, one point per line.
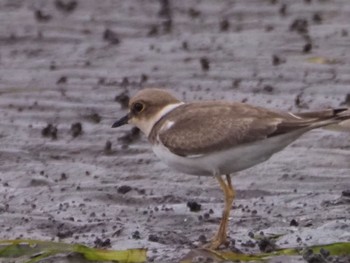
138 107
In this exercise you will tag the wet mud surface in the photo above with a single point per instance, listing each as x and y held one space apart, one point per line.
67 69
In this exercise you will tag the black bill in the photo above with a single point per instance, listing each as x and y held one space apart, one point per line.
121 122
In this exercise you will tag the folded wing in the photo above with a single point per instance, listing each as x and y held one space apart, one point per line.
198 128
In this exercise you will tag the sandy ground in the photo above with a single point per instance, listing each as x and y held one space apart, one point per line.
70 63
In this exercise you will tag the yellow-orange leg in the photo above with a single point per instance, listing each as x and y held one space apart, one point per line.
229 193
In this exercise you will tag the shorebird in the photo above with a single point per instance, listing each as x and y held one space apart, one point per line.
218 138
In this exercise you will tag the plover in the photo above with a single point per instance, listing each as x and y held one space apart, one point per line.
218 138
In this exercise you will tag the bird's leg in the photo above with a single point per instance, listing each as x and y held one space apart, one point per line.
229 193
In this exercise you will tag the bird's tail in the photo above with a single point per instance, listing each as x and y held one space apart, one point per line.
332 119
344 124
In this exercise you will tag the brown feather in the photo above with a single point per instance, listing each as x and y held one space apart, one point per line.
204 127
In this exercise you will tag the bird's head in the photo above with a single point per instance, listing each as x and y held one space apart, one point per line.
146 108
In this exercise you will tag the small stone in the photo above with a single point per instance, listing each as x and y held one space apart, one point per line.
266 245
236 83
64 234
63 177
136 235
41 16
224 25
283 10
202 238
310 257
123 99
94 117
49 131
317 18
102 243
76 129
204 63
124 189
108 147
153 238
277 60
307 47
62 80
268 88
153 31
165 8
346 193
144 78
66 6
293 222
325 253
130 136
111 36
249 243
194 13
194 206
300 26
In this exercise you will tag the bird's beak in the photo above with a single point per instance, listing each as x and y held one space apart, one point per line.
124 120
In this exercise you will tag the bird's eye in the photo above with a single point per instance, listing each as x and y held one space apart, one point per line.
137 107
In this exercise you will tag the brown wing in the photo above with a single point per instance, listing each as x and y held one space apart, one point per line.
198 128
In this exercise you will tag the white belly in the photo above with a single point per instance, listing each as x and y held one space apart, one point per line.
228 161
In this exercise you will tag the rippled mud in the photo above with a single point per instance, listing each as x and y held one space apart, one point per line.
67 69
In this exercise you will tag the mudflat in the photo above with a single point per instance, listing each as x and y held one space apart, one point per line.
67 68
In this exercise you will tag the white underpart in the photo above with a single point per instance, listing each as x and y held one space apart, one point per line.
227 161
146 125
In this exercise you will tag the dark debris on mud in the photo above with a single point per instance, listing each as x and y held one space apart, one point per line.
67 71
